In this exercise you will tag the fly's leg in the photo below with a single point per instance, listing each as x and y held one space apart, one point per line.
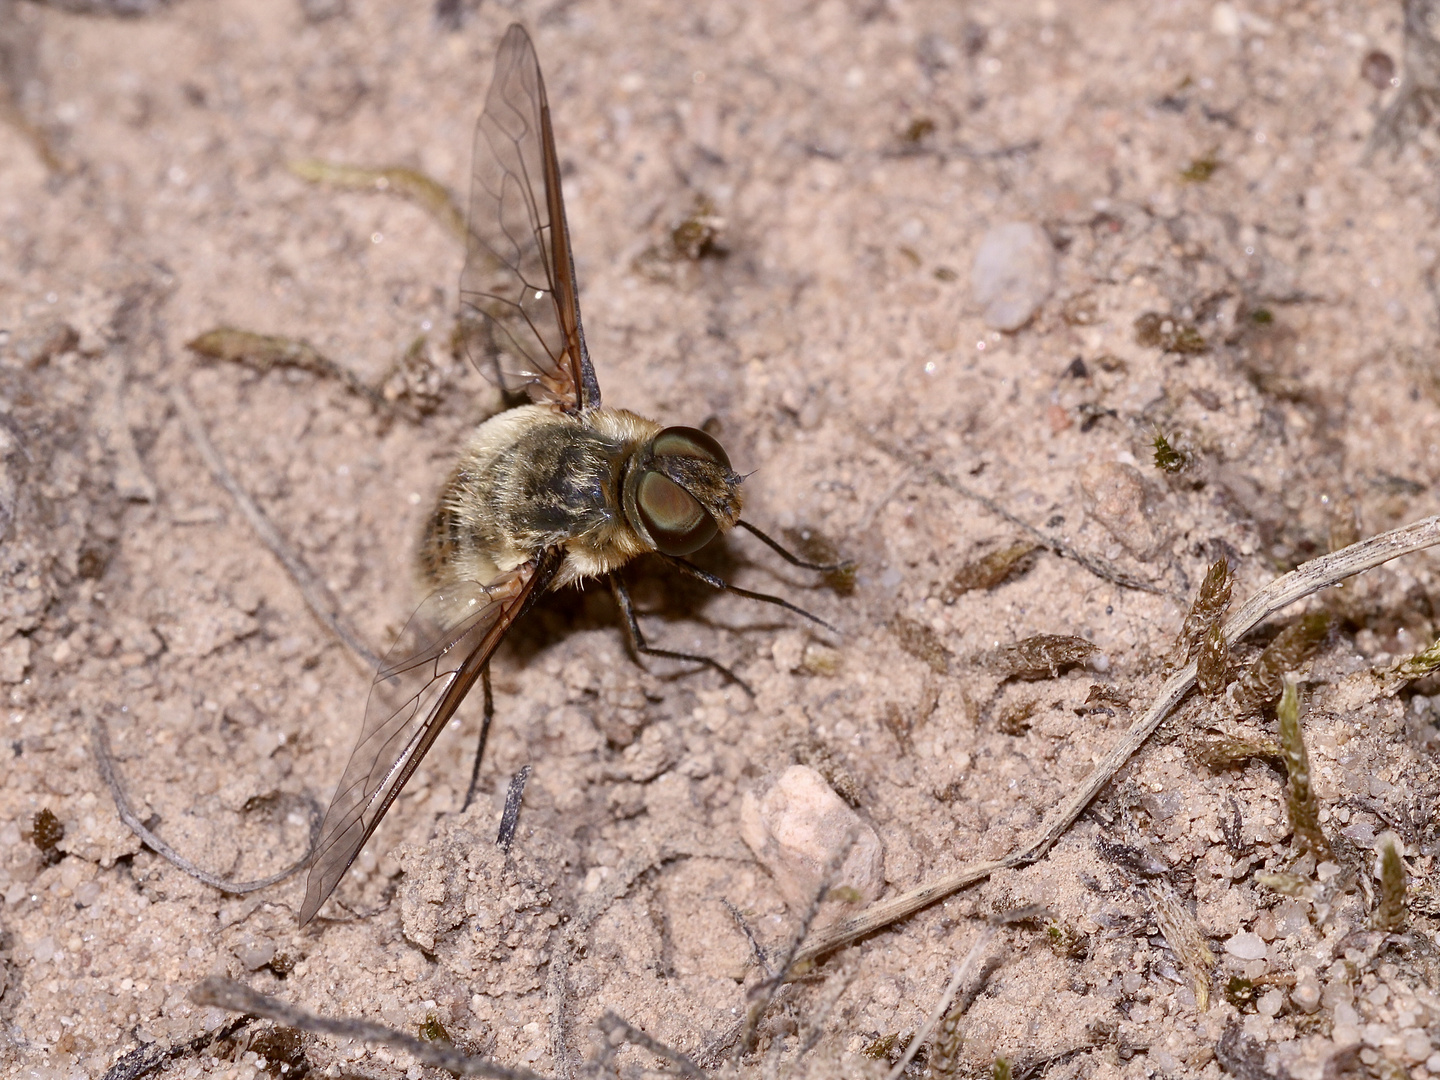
638 646
484 734
716 582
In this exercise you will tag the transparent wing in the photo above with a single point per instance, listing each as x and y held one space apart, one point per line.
420 684
517 292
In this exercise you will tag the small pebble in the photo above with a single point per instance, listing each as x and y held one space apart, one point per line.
796 825
1415 1045
1115 495
1270 1003
1306 994
256 955
1013 274
1246 946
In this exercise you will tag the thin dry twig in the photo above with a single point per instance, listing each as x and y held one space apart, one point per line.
316 595
223 993
762 994
616 1028
962 974
105 762
748 931
1301 582
1101 568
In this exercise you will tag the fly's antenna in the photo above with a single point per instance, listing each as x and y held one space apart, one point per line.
794 560
715 582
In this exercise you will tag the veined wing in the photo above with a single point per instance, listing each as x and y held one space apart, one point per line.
419 686
518 287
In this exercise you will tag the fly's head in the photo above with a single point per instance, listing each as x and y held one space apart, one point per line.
679 491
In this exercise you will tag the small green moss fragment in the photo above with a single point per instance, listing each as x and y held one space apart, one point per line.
1287 884
283 964
1001 1069
265 352
1421 664
1154 330
945 1047
1041 656
698 236
1391 911
432 1030
880 1049
921 642
815 547
988 571
415 383
1185 939
918 130
821 659
282 1049
1212 662
1211 603
1240 992
1167 458
1014 717
1262 681
1225 751
1200 170
1066 941
430 195
1300 801
46 832
1262 316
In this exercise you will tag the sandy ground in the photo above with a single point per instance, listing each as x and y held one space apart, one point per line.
1201 162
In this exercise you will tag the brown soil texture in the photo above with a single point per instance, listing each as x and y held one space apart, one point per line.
1231 270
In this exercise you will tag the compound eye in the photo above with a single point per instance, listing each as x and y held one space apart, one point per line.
671 515
690 442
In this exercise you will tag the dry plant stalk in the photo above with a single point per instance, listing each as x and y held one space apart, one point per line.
1303 581
1300 802
1391 911
1264 679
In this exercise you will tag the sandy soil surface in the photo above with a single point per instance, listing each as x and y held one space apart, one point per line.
1197 163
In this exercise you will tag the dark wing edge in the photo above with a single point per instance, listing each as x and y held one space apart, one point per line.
519 276
420 684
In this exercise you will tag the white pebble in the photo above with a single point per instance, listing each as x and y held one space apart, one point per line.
1013 274
1246 946
796 825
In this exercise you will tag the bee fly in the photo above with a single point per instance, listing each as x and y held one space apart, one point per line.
544 495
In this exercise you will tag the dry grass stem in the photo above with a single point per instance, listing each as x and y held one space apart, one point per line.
236 997
105 762
316 595
1303 581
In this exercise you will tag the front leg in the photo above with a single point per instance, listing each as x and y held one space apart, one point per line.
638 646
